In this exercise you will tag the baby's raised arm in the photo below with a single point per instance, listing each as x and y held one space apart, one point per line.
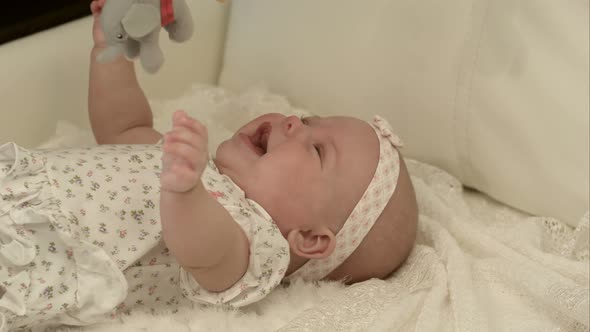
198 231
118 109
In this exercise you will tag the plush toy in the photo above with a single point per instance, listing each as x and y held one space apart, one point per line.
132 27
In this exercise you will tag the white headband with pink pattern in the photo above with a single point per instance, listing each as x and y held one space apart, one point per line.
367 210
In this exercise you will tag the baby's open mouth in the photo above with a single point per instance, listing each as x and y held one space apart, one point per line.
260 138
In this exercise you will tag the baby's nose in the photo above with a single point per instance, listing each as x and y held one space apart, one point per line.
291 125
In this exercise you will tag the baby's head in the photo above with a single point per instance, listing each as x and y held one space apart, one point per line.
310 174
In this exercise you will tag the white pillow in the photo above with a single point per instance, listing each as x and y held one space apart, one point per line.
495 92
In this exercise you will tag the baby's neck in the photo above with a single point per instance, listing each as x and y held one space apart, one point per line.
295 263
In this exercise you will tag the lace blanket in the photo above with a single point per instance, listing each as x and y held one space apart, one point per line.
478 265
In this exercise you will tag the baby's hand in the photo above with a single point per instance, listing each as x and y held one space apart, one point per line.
185 154
97 34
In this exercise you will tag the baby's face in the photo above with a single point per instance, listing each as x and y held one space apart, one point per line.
302 171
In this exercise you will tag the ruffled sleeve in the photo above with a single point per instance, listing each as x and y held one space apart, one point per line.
269 259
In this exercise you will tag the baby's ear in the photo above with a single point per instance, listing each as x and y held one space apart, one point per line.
312 244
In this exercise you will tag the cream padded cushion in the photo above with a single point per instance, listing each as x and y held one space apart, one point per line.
494 91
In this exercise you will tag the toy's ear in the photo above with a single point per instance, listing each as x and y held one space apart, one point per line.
141 20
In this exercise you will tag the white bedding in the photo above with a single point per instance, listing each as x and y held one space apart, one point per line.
478 265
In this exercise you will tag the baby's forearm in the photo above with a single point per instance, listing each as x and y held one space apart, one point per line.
204 238
116 102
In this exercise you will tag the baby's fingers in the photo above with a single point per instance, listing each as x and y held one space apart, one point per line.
96 6
180 118
168 160
186 136
185 152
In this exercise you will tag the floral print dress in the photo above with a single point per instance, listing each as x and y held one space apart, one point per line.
80 238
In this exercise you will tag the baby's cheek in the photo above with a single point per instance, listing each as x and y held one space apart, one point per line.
295 160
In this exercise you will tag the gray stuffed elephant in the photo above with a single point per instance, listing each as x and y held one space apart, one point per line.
132 28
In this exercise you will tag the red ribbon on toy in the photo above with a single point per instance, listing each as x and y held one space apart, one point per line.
167 12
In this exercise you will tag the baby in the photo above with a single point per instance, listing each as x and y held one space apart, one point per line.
145 221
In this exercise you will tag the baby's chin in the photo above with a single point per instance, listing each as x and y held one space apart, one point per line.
221 148
219 154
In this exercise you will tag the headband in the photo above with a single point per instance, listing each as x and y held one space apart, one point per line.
367 210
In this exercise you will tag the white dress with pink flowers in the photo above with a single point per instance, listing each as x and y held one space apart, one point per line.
80 237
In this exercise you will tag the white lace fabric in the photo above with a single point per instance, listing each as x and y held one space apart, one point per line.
478 266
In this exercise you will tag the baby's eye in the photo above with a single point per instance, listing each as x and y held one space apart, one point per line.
303 120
